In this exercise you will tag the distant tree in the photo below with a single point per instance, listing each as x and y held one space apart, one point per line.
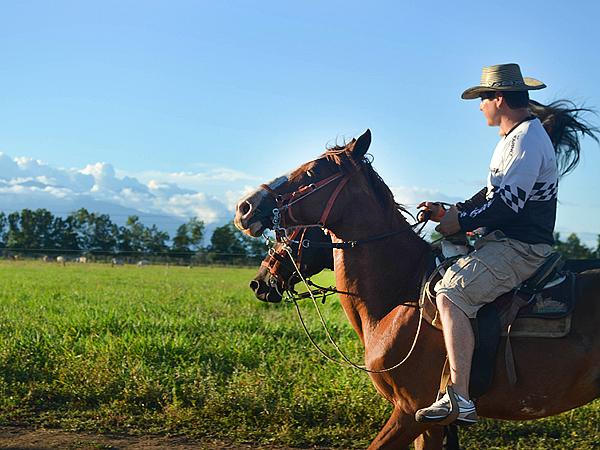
132 235
13 233
597 255
65 234
181 241
3 222
124 240
572 248
43 228
103 236
226 244
30 230
79 222
155 240
196 230
189 236
94 232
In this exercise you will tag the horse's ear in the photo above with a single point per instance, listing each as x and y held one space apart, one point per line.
361 145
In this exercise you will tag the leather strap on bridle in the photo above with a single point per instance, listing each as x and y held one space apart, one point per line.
286 201
332 199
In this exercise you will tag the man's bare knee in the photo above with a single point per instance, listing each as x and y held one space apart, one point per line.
447 307
443 302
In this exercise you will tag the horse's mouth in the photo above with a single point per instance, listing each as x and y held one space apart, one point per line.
250 223
254 229
264 292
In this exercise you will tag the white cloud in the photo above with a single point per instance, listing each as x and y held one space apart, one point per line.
30 183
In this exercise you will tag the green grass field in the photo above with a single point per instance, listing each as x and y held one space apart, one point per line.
190 351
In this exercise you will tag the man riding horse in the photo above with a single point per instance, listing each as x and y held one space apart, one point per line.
517 210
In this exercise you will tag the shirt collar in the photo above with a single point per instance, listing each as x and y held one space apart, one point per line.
526 119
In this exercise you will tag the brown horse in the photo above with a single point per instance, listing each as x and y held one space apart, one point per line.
381 260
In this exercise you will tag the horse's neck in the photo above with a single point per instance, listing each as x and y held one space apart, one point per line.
381 275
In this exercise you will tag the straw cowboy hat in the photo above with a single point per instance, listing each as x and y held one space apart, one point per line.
502 78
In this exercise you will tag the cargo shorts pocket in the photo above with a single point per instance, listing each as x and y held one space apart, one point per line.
475 270
477 280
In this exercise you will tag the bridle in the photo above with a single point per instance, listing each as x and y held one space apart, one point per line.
285 202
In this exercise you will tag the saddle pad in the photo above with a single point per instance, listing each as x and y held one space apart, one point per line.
552 303
542 328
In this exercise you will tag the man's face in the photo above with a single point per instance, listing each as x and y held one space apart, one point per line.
489 106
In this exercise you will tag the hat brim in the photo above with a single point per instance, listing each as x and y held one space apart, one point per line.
531 84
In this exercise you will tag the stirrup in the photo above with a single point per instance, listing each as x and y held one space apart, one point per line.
454 409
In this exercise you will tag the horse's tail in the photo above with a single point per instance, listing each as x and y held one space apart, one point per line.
563 121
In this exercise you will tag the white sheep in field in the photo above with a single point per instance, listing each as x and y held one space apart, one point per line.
82 260
142 263
61 260
116 262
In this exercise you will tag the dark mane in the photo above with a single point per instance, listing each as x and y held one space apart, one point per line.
342 158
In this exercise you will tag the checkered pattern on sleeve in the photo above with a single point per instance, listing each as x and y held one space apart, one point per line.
513 196
543 191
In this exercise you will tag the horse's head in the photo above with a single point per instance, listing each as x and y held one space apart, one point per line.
311 194
278 273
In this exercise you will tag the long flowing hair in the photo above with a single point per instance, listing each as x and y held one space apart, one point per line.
563 122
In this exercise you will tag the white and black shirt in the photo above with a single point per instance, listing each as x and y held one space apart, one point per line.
520 197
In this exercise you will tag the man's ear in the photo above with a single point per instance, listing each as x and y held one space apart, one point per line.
362 145
500 100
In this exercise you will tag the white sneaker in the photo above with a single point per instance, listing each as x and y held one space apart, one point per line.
440 410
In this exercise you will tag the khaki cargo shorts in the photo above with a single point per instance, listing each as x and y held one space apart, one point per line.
497 265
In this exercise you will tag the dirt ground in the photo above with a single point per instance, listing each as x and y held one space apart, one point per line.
16 438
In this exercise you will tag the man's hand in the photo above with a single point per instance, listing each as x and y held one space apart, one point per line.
449 223
435 209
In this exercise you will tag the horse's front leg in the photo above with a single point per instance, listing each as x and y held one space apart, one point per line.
438 437
432 439
399 431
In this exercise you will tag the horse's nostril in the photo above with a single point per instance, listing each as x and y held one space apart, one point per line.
254 285
245 208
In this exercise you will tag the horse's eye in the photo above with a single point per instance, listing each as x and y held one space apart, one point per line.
310 173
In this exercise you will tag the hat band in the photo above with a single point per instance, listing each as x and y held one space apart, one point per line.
505 83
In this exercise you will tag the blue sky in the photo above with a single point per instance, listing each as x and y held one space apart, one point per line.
201 100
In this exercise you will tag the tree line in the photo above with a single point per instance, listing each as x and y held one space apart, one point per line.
37 232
